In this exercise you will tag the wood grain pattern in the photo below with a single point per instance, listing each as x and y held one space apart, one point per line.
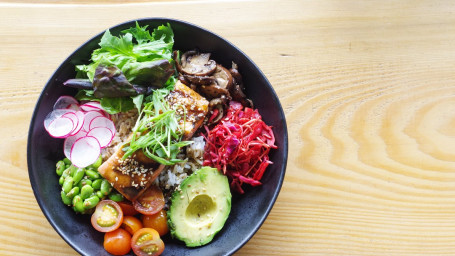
369 96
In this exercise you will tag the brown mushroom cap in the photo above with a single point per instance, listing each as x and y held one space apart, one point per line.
206 80
213 91
236 90
195 63
223 77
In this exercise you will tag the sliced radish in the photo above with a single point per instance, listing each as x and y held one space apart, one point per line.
89 116
85 151
102 121
54 115
74 118
74 107
68 143
65 102
102 134
91 106
61 127
80 118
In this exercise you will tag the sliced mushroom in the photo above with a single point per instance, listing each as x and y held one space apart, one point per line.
223 77
213 91
216 110
237 89
195 63
202 80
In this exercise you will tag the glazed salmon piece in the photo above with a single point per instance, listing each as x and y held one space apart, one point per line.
132 176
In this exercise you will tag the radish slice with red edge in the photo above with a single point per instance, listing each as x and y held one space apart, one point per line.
102 134
80 118
74 107
74 118
102 121
69 141
54 115
89 116
85 151
65 102
61 127
91 106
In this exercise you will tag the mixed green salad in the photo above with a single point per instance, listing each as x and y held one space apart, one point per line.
177 100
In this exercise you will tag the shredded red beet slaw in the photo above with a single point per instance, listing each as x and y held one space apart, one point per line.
239 146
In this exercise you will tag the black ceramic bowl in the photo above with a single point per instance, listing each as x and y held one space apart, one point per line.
248 210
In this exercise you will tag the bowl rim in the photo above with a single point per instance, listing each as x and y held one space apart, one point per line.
32 177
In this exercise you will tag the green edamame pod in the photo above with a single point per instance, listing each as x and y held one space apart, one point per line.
86 191
67 161
67 184
61 180
66 200
78 204
60 167
99 194
116 196
98 162
105 187
91 202
74 191
93 175
96 184
78 175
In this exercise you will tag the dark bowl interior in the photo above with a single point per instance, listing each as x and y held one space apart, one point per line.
248 211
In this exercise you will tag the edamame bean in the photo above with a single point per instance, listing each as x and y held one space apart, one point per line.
99 194
73 169
67 184
93 175
116 196
66 200
78 204
78 175
74 191
66 172
97 163
86 191
67 161
60 168
105 187
96 184
91 202
86 182
61 180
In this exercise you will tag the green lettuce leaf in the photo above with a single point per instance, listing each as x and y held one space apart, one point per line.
130 49
116 105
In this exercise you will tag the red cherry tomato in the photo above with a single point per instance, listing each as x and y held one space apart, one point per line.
107 216
131 224
157 221
127 208
150 202
117 242
147 242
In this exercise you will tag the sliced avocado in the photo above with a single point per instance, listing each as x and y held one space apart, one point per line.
200 207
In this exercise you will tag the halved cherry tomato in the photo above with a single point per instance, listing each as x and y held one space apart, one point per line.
107 216
150 202
131 224
117 242
127 208
147 242
157 221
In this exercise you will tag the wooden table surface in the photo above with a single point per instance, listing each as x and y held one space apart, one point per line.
368 88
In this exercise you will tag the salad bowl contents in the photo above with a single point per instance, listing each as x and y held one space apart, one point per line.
157 137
